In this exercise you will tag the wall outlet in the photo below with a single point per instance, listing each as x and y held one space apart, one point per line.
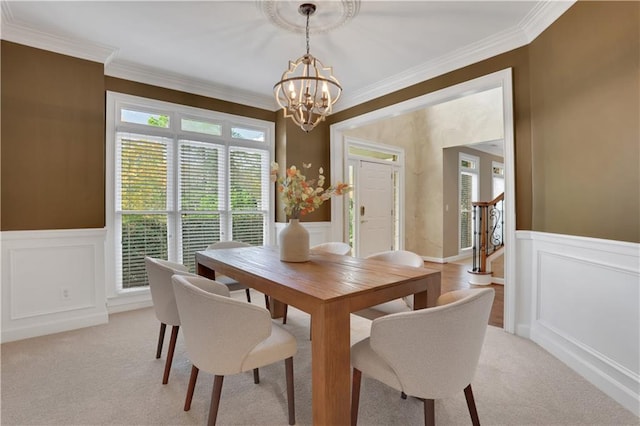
64 293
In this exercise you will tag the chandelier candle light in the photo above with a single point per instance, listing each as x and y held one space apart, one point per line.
300 196
308 89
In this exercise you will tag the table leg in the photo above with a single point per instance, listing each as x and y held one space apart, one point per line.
429 298
330 359
203 271
276 307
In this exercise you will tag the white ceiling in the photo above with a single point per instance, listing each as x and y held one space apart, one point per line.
231 50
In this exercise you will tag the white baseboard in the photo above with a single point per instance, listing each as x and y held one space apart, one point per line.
55 326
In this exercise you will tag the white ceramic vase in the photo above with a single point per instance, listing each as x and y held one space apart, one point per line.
294 242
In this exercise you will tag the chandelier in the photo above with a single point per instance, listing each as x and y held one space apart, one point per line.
307 90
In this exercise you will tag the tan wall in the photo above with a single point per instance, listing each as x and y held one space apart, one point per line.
518 60
585 96
428 188
578 168
52 140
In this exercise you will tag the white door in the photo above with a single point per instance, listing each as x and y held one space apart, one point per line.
374 209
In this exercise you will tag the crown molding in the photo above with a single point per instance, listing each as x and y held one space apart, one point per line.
531 26
542 16
18 33
182 83
503 42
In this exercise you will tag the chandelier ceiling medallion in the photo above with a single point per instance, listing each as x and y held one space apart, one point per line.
307 90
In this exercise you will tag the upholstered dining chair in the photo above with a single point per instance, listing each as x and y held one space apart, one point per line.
429 353
232 284
226 336
159 272
333 247
397 257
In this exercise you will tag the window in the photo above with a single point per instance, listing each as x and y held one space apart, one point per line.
181 179
468 193
497 178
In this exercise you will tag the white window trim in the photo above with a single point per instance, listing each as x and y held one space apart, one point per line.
114 102
474 171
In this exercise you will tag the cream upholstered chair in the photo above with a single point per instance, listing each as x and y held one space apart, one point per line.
230 282
397 257
225 336
333 247
429 353
159 272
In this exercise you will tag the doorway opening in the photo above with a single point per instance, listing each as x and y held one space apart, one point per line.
339 166
375 207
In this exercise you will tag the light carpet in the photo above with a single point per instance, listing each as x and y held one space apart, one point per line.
108 375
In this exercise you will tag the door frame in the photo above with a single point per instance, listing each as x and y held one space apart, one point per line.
494 80
397 166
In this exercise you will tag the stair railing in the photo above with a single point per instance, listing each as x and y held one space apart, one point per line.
488 230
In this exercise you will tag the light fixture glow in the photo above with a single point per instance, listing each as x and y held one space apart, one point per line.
311 89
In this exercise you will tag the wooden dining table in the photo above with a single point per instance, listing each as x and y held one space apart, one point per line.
329 287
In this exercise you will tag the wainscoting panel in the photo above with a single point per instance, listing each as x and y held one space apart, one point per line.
585 309
52 281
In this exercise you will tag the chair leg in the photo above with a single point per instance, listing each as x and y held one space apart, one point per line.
266 302
163 327
429 412
468 394
355 395
284 316
172 347
290 396
215 400
248 295
256 376
191 388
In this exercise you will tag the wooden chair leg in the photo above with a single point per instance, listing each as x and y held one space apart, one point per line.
429 412
172 347
290 396
163 327
191 388
248 295
471 404
215 400
355 395
256 376
284 316
266 302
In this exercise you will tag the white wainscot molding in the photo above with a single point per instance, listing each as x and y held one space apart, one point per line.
319 232
584 296
52 281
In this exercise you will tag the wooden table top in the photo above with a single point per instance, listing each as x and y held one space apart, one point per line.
324 278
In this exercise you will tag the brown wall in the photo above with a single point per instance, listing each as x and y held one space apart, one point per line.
585 96
52 140
577 167
518 60
168 95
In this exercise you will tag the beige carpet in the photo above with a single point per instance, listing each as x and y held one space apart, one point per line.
109 375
